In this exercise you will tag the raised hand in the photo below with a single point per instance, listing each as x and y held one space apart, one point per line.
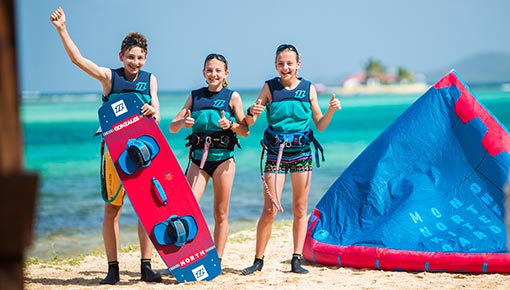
224 123
334 103
58 18
188 120
257 108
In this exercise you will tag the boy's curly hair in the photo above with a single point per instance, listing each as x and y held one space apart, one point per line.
134 39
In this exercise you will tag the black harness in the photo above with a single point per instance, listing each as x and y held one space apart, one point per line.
225 139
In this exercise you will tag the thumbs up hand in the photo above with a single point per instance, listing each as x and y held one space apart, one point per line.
334 103
225 123
188 120
257 108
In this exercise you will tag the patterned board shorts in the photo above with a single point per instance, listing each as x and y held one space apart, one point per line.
291 162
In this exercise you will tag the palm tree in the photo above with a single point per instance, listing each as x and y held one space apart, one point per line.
404 75
373 69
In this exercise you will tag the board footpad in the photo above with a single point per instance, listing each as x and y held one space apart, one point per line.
176 230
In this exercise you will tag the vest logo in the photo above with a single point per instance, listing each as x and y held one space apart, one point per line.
300 94
219 103
119 108
141 86
200 273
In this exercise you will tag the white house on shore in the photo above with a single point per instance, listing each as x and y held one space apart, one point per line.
359 83
361 78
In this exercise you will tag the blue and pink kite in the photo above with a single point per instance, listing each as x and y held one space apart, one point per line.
428 194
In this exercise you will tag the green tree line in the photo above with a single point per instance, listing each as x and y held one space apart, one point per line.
375 69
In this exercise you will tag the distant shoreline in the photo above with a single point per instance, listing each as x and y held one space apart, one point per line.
34 95
379 89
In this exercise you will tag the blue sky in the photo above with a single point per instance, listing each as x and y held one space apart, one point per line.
334 37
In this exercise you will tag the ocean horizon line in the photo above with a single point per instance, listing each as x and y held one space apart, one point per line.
28 95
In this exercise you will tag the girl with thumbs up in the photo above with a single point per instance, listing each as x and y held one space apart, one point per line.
291 104
216 116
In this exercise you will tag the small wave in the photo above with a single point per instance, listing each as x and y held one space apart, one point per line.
36 96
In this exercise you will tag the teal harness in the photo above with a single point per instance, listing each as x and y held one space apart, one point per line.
292 142
276 142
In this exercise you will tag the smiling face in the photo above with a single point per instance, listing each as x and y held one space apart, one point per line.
133 53
215 73
133 59
287 65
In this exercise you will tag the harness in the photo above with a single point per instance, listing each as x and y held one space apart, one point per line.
275 142
224 139
298 141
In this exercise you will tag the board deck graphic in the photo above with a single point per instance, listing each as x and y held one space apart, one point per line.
158 190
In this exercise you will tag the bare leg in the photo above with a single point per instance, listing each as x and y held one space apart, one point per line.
111 242
269 212
265 223
198 180
147 274
300 191
223 178
111 230
145 242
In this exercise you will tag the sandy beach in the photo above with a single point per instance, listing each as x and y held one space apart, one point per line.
85 273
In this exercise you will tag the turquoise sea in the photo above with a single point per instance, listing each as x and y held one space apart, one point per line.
58 131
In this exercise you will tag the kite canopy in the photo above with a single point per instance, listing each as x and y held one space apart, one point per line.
426 195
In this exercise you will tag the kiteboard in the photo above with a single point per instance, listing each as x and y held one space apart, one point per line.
158 190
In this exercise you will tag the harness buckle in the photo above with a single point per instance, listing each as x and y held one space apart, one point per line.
224 139
197 139
302 140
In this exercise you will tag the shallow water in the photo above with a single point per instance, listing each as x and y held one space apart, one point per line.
59 146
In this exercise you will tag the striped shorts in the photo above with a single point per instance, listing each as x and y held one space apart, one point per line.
291 162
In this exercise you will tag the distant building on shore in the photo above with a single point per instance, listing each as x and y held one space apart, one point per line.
361 83
361 78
